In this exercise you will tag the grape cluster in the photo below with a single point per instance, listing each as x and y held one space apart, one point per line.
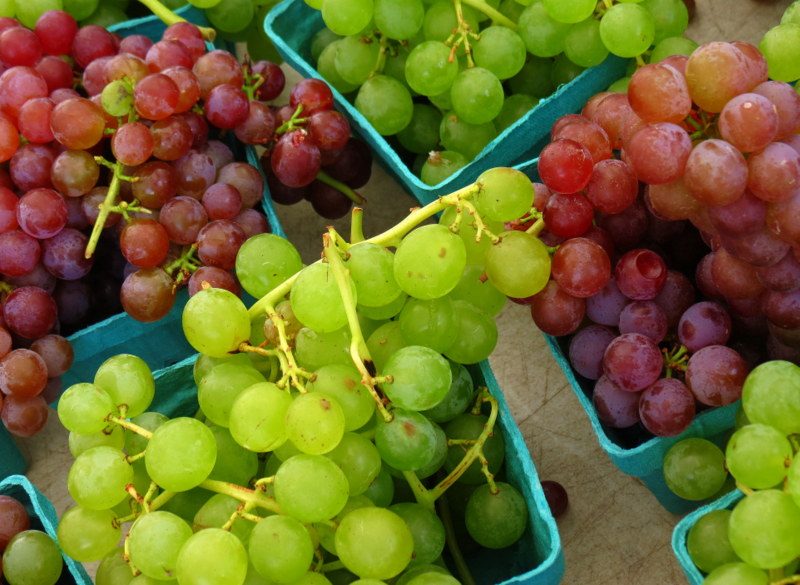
761 456
27 554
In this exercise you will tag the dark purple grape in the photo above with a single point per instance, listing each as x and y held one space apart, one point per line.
715 375
586 350
615 407
704 323
667 408
632 361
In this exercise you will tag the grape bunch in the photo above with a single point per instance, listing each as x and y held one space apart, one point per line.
333 414
762 457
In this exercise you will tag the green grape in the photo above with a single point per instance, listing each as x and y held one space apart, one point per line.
117 98
347 17
756 456
429 261
7 8
496 519
204 3
385 103
359 459
583 45
105 16
80 9
564 70
627 30
468 139
395 66
113 569
672 46
205 363
422 133
428 323
500 50
259 46
215 322
79 442
505 194
477 95
343 382
258 417
98 477
570 12
234 463
514 107
420 375
407 442
231 16
87 535
476 334
217 511
399 19
150 421
374 543
354 60
83 408
620 85
186 504
764 529
428 574
316 299
313 578
543 36
429 70
707 541
370 267
368 325
468 427
314 349
694 469
382 313
467 227
315 4
280 549
128 380
315 422
320 40
265 261
440 165
326 532
518 265
214 556
534 79
427 531
32 557
671 17
219 388
384 341
154 541
442 101
310 488
793 479
477 290
458 397
771 395
181 454
736 574
381 491
29 12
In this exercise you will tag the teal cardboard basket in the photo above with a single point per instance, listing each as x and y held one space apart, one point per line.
43 517
537 559
682 528
291 26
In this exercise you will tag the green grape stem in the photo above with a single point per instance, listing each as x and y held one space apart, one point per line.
126 554
168 17
537 227
464 574
291 371
242 511
357 225
134 458
461 36
786 580
497 16
675 360
106 205
744 489
293 123
243 494
341 187
131 426
185 265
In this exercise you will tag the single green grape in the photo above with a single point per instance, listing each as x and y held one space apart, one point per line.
518 265
87 535
370 267
439 165
627 30
316 299
343 382
543 35
154 541
230 16
374 543
468 139
707 542
399 19
79 442
310 488
505 194
429 70
496 519
756 456
315 422
421 377
428 323
426 528
422 133
476 334
181 454
764 529
258 417
83 408
32 557
500 50
429 261
694 468
215 322
408 441
736 573
219 388
347 17
359 459
385 103
98 476
214 556
570 12
265 261
128 380
477 95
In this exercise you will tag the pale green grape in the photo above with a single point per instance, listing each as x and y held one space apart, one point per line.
326 67
80 9
117 98
671 17
421 377
694 469
778 45
627 30
347 17
427 531
756 455
583 45
672 46
505 194
395 65
496 519
429 323
258 414
343 382
315 422
181 454
205 363
477 95
7 8
29 12
128 380
215 322
310 488
429 261
354 60
374 543
79 442
280 549
428 574
87 535
620 85
458 397
219 388
518 265
326 532
399 19
468 139
476 334
384 341
543 36
316 299
422 133
113 569
764 529
370 267
234 463
385 103
214 556
316 4
359 459
478 291
98 476
265 261
83 408
500 50
442 101
230 16
154 541
467 426
467 230
429 70
514 107
534 79
571 11
381 491
564 70
771 395
383 312
313 578
314 349
707 541
736 574
440 165
407 442
32 557
217 511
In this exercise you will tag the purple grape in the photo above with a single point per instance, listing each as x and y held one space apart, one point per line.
586 350
615 407
645 317
715 375
704 323
604 307
667 408
632 361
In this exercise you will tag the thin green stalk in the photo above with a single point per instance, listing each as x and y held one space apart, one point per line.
497 16
126 424
168 17
341 187
242 494
464 574
105 209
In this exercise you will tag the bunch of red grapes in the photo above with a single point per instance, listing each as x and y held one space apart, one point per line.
674 212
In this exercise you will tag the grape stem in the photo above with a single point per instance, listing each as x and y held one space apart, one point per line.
537 227
744 489
105 206
168 17
185 265
131 426
787 580
357 225
242 511
293 122
464 574
339 186
243 494
497 16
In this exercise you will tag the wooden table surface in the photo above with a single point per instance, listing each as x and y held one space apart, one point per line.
615 531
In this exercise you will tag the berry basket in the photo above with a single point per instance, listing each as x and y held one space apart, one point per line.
43 517
292 24
642 460
683 527
537 559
